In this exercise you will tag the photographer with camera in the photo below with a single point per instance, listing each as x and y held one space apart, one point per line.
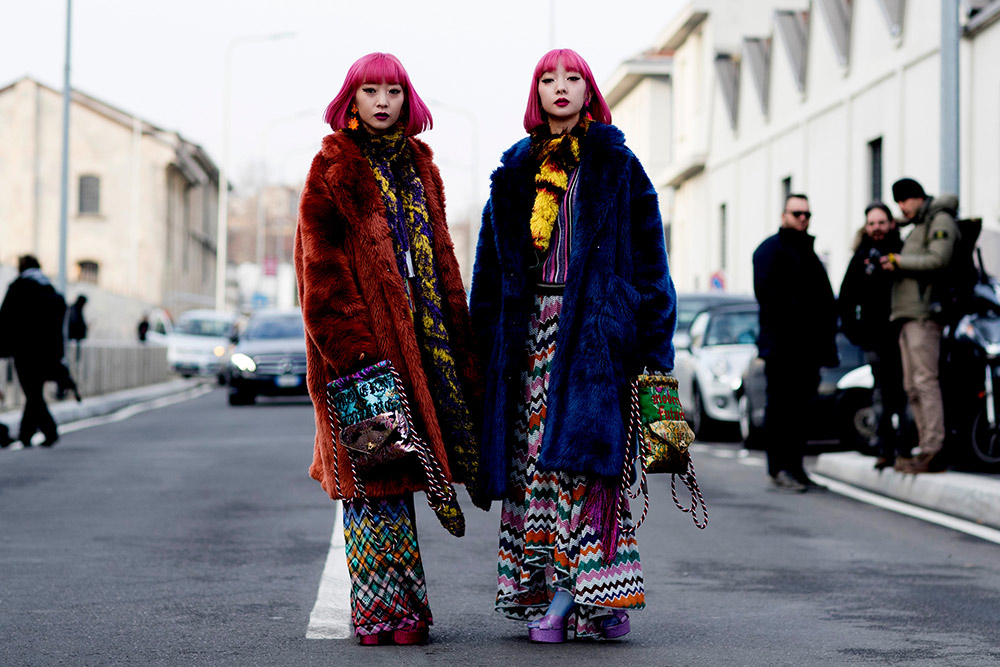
865 306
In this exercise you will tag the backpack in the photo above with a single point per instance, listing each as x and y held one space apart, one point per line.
954 288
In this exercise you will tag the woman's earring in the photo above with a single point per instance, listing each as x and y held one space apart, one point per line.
353 117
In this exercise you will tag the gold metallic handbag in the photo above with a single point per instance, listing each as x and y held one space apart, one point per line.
663 446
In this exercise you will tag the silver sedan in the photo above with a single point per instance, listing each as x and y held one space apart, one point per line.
710 361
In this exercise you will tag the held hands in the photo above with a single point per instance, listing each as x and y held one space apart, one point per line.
889 262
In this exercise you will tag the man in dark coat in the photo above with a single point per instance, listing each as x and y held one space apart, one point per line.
798 328
865 305
31 322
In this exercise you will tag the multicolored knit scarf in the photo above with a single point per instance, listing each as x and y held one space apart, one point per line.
556 156
410 227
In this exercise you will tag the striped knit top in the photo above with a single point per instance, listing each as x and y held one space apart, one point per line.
556 264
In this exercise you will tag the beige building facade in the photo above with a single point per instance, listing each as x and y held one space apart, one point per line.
833 98
142 208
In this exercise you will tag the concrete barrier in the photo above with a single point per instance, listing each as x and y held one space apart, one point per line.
99 367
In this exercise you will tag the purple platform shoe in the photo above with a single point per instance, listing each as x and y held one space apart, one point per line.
550 630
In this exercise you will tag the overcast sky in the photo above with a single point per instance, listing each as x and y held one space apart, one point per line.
470 60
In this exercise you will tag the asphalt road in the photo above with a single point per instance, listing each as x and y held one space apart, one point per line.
192 535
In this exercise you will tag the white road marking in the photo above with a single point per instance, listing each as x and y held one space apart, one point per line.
961 525
134 409
331 615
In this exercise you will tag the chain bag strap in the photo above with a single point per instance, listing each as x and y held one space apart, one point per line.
663 438
369 415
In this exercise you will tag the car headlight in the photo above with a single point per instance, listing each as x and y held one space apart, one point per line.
720 368
218 350
243 362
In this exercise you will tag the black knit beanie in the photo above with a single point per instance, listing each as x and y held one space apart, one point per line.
906 188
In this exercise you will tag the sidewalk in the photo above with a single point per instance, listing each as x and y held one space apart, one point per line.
970 496
95 406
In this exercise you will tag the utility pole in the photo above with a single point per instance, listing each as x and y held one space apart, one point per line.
950 35
64 177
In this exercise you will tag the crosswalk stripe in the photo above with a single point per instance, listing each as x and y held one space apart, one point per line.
331 615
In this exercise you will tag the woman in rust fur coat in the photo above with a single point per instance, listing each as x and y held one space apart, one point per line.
378 280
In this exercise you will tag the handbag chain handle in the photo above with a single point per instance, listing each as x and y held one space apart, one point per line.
628 473
438 489
629 466
334 422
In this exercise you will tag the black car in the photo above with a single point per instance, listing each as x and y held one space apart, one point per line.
269 358
841 416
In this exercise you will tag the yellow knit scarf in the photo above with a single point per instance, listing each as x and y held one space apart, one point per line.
556 156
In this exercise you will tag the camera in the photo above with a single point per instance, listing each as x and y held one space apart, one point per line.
874 261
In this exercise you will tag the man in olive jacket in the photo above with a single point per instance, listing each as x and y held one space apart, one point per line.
798 328
920 269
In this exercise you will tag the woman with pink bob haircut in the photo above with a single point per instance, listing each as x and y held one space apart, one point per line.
571 299
379 68
378 281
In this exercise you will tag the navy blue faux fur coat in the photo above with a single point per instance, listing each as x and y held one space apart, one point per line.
617 318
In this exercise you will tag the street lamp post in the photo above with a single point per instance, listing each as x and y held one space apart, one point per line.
222 226
64 176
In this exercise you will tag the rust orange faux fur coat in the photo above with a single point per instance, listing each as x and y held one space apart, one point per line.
354 303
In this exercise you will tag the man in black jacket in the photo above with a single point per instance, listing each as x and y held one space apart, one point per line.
798 328
865 305
31 323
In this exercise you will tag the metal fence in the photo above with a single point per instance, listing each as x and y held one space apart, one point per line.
100 367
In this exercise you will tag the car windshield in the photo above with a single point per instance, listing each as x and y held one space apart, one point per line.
687 310
737 328
287 326
688 307
197 326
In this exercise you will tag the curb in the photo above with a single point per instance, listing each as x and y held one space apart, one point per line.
69 410
964 495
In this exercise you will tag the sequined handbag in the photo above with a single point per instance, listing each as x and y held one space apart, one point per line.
664 440
369 416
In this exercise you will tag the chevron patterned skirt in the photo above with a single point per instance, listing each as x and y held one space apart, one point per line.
545 542
388 591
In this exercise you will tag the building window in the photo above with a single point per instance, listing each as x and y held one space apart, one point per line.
786 189
88 271
875 168
722 236
90 195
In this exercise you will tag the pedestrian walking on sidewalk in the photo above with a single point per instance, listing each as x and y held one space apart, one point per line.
798 328
865 305
920 272
378 280
571 299
31 331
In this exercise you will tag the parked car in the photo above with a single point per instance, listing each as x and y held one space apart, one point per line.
841 416
160 327
722 339
269 358
199 341
691 303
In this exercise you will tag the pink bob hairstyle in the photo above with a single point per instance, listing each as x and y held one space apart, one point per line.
379 68
573 62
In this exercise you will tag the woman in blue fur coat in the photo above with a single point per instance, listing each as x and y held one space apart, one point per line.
571 299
